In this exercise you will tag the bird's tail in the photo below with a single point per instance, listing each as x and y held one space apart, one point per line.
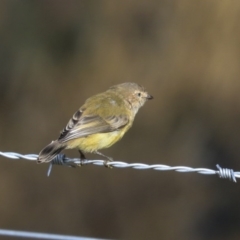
50 152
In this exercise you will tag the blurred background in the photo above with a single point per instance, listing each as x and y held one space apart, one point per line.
55 54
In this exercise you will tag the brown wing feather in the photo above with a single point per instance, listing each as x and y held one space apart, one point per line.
89 125
95 119
72 122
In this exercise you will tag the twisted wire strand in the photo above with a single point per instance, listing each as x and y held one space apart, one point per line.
61 159
37 235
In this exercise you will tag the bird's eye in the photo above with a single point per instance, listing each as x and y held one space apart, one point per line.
139 94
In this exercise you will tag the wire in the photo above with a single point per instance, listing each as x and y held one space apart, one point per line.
61 159
25 234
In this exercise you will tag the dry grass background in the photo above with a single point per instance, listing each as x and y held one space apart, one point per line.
55 54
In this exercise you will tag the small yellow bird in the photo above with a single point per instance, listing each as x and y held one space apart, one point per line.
100 122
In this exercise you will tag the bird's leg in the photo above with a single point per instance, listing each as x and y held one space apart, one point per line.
106 161
82 158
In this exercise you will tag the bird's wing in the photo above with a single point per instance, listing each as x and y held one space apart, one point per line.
81 125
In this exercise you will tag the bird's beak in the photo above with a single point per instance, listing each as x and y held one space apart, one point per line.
149 97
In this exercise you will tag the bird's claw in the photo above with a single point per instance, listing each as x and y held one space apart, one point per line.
106 163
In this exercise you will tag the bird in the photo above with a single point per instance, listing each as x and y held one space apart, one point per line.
99 123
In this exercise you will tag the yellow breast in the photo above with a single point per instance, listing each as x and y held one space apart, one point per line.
96 141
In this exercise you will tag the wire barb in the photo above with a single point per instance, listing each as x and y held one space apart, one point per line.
61 159
226 173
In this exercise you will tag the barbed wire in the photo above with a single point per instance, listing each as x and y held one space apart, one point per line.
61 159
